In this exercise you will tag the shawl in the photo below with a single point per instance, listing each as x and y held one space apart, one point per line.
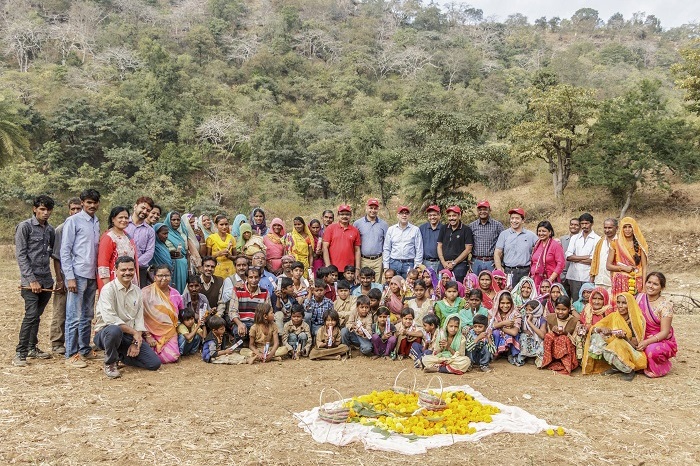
494 283
236 225
578 305
176 237
161 255
537 315
271 236
496 315
395 303
595 261
200 224
192 243
159 315
518 299
443 311
471 281
496 300
440 290
550 304
244 228
455 346
258 229
486 299
588 312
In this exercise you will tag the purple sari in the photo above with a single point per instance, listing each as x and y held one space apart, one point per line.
658 354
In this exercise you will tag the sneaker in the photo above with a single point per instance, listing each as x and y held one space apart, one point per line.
485 368
87 357
19 361
75 361
58 350
36 353
111 371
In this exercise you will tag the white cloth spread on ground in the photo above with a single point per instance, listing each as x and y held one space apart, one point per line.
511 419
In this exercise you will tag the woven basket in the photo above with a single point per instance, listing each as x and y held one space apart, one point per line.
335 412
404 390
430 401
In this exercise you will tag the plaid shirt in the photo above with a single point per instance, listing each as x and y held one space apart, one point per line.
485 236
317 309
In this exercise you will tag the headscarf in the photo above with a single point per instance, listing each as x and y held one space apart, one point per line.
288 257
199 223
500 274
177 237
588 286
245 227
236 225
536 314
486 300
495 314
471 281
588 311
395 303
192 243
550 304
637 233
298 239
541 295
261 229
161 255
441 289
271 235
516 293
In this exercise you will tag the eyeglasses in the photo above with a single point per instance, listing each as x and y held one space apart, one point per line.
163 277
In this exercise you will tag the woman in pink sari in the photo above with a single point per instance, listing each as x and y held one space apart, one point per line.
274 243
659 343
446 275
161 307
547 261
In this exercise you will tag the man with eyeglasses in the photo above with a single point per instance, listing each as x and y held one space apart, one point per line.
372 234
341 241
403 246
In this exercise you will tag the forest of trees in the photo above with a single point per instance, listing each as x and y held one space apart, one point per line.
206 104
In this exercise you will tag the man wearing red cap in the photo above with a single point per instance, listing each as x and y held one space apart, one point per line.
486 231
341 241
372 233
455 243
429 232
403 246
514 247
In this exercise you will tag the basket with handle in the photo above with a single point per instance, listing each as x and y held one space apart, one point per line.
404 390
334 412
429 400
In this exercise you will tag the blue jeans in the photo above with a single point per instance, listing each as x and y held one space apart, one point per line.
479 266
353 339
293 339
188 347
480 355
116 344
401 266
80 309
435 265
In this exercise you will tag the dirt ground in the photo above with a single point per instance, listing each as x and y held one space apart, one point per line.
193 413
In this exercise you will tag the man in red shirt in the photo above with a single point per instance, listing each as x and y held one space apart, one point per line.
341 241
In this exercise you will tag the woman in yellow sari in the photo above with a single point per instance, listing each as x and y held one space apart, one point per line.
161 307
300 244
627 260
611 344
220 246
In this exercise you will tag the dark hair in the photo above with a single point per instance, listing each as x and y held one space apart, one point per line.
660 276
145 200
114 212
374 293
74 201
333 315
185 314
175 212
215 322
297 265
481 320
420 283
332 269
156 206
503 295
219 217
124 260
285 282
349 268
208 259
254 270
574 218
91 194
241 256
413 271
453 318
262 310
315 220
194 279
532 304
452 284
362 299
613 220
476 294
547 225
158 267
298 308
328 212
586 217
319 283
383 311
44 200
343 285
299 219
431 319
367 272
563 299
322 272
407 311
390 270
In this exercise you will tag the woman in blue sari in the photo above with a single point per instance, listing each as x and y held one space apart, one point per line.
162 254
177 246
236 225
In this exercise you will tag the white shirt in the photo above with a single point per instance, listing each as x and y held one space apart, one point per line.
602 275
403 243
580 246
119 305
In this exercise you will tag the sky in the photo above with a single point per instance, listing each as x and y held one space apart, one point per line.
672 13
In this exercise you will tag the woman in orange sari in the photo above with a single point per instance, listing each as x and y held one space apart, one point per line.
627 260
161 307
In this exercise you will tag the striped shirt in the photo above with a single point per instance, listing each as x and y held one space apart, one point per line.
244 303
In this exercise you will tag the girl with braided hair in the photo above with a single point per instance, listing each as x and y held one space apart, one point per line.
627 260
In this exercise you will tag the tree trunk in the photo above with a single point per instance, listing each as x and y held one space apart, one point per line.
558 181
626 205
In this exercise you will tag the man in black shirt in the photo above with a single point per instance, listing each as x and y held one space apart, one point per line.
455 242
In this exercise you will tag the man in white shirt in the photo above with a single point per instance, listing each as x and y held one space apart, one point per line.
600 275
580 254
403 245
119 323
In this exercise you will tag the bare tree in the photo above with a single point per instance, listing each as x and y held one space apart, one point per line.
224 132
243 48
23 32
120 58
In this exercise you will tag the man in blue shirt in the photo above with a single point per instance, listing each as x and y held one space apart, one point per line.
81 238
514 247
403 246
430 231
372 233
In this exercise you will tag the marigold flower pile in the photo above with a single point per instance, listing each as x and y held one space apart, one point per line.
389 412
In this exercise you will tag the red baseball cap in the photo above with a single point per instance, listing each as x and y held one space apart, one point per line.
455 209
402 208
344 208
433 207
483 203
518 211
372 202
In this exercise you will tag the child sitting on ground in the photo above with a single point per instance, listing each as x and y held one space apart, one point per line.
328 343
479 344
344 304
448 351
421 304
375 298
407 333
383 338
534 328
264 342
301 284
473 309
451 304
358 329
559 350
296 336
430 331
217 347
189 332
505 326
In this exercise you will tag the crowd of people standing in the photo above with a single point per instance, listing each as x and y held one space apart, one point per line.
448 295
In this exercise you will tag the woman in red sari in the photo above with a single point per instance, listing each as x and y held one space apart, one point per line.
548 259
627 260
113 244
659 342
274 243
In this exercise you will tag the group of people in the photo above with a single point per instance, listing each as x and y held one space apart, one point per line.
447 295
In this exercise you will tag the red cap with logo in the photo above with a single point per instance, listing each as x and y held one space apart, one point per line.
483 203
344 208
403 208
455 209
433 207
372 202
518 211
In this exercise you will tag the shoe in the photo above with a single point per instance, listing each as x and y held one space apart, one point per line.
75 361
87 357
111 371
19 361
485 368
611 371
58 350
629 376
36 353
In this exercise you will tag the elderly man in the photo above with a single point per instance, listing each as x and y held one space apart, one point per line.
341 241
143 235
119 322
580 254
600 276
430 231
514 247
403 246
372 233
574 228
455 243
486 231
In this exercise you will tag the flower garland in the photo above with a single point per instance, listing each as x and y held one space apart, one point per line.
391 412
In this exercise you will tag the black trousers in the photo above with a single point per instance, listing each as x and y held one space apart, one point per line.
116 343
34 305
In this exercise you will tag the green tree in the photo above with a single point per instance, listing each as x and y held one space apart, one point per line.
13 138
687 75
558 124
638 142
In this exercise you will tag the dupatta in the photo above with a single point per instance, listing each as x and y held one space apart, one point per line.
159 316
161 255
176 237
486 300
440 290
236 225
393 302
259 229
588 312
518 299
